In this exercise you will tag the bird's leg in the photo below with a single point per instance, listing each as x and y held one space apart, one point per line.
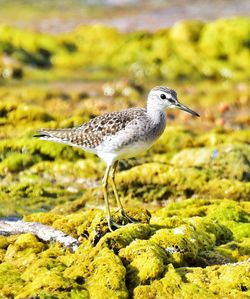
112 177
105 192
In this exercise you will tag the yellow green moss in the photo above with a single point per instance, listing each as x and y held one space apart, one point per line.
164 258
156 181
124 236
32 196
173 140
144 262
190 49
234 217
10 276
29 113
212 282
196 185
221 159
108 278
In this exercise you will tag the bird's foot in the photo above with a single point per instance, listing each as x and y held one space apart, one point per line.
128 218
113 225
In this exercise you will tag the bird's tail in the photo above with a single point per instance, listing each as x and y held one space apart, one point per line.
60 135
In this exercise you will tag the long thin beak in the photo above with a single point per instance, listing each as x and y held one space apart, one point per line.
185 108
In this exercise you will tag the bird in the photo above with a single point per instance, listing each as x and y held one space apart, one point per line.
120 135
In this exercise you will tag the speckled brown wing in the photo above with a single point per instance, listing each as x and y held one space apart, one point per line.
91 134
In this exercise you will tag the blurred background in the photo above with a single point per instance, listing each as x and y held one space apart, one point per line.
128 15
64 62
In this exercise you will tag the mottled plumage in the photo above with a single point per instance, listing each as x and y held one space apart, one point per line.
119 135
91 134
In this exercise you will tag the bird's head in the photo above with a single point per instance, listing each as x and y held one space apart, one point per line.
164 97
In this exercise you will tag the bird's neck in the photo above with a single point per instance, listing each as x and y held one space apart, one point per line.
156 114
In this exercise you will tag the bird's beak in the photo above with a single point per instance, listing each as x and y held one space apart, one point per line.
185 108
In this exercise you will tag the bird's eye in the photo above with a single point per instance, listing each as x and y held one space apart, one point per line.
163 96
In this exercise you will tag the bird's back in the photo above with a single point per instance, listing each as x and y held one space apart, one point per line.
93 133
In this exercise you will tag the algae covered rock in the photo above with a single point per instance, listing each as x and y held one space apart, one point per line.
16 162
162 182
225 43
225 37
29 113
234 217
175 256
27 46
194 181
144 262
190 49
212 282
220 159
108 279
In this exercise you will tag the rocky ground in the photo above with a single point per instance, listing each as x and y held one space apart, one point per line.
190 192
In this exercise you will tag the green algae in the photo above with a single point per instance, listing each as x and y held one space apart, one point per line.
215 46
173 140
16 162
137 260
144 262
177 138
199 283
45 274
229 237
194 171
29 113
46 150
221 136
166 182
234 251
190 49
221 159
29 196
108 279
119 239
201 172
8 281
196 186
192 242
234 217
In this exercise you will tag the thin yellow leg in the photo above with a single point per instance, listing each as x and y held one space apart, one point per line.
112 178
105 192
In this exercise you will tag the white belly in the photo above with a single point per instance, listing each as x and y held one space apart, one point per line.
128 151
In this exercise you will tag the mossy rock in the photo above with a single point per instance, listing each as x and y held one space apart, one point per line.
16 162
156 181
108 279
46 150
28 113
190 282
136 260
221 159
190 49
235 32
174 139
144 262
234 217
27 197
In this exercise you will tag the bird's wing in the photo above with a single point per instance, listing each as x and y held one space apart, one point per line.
91 134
